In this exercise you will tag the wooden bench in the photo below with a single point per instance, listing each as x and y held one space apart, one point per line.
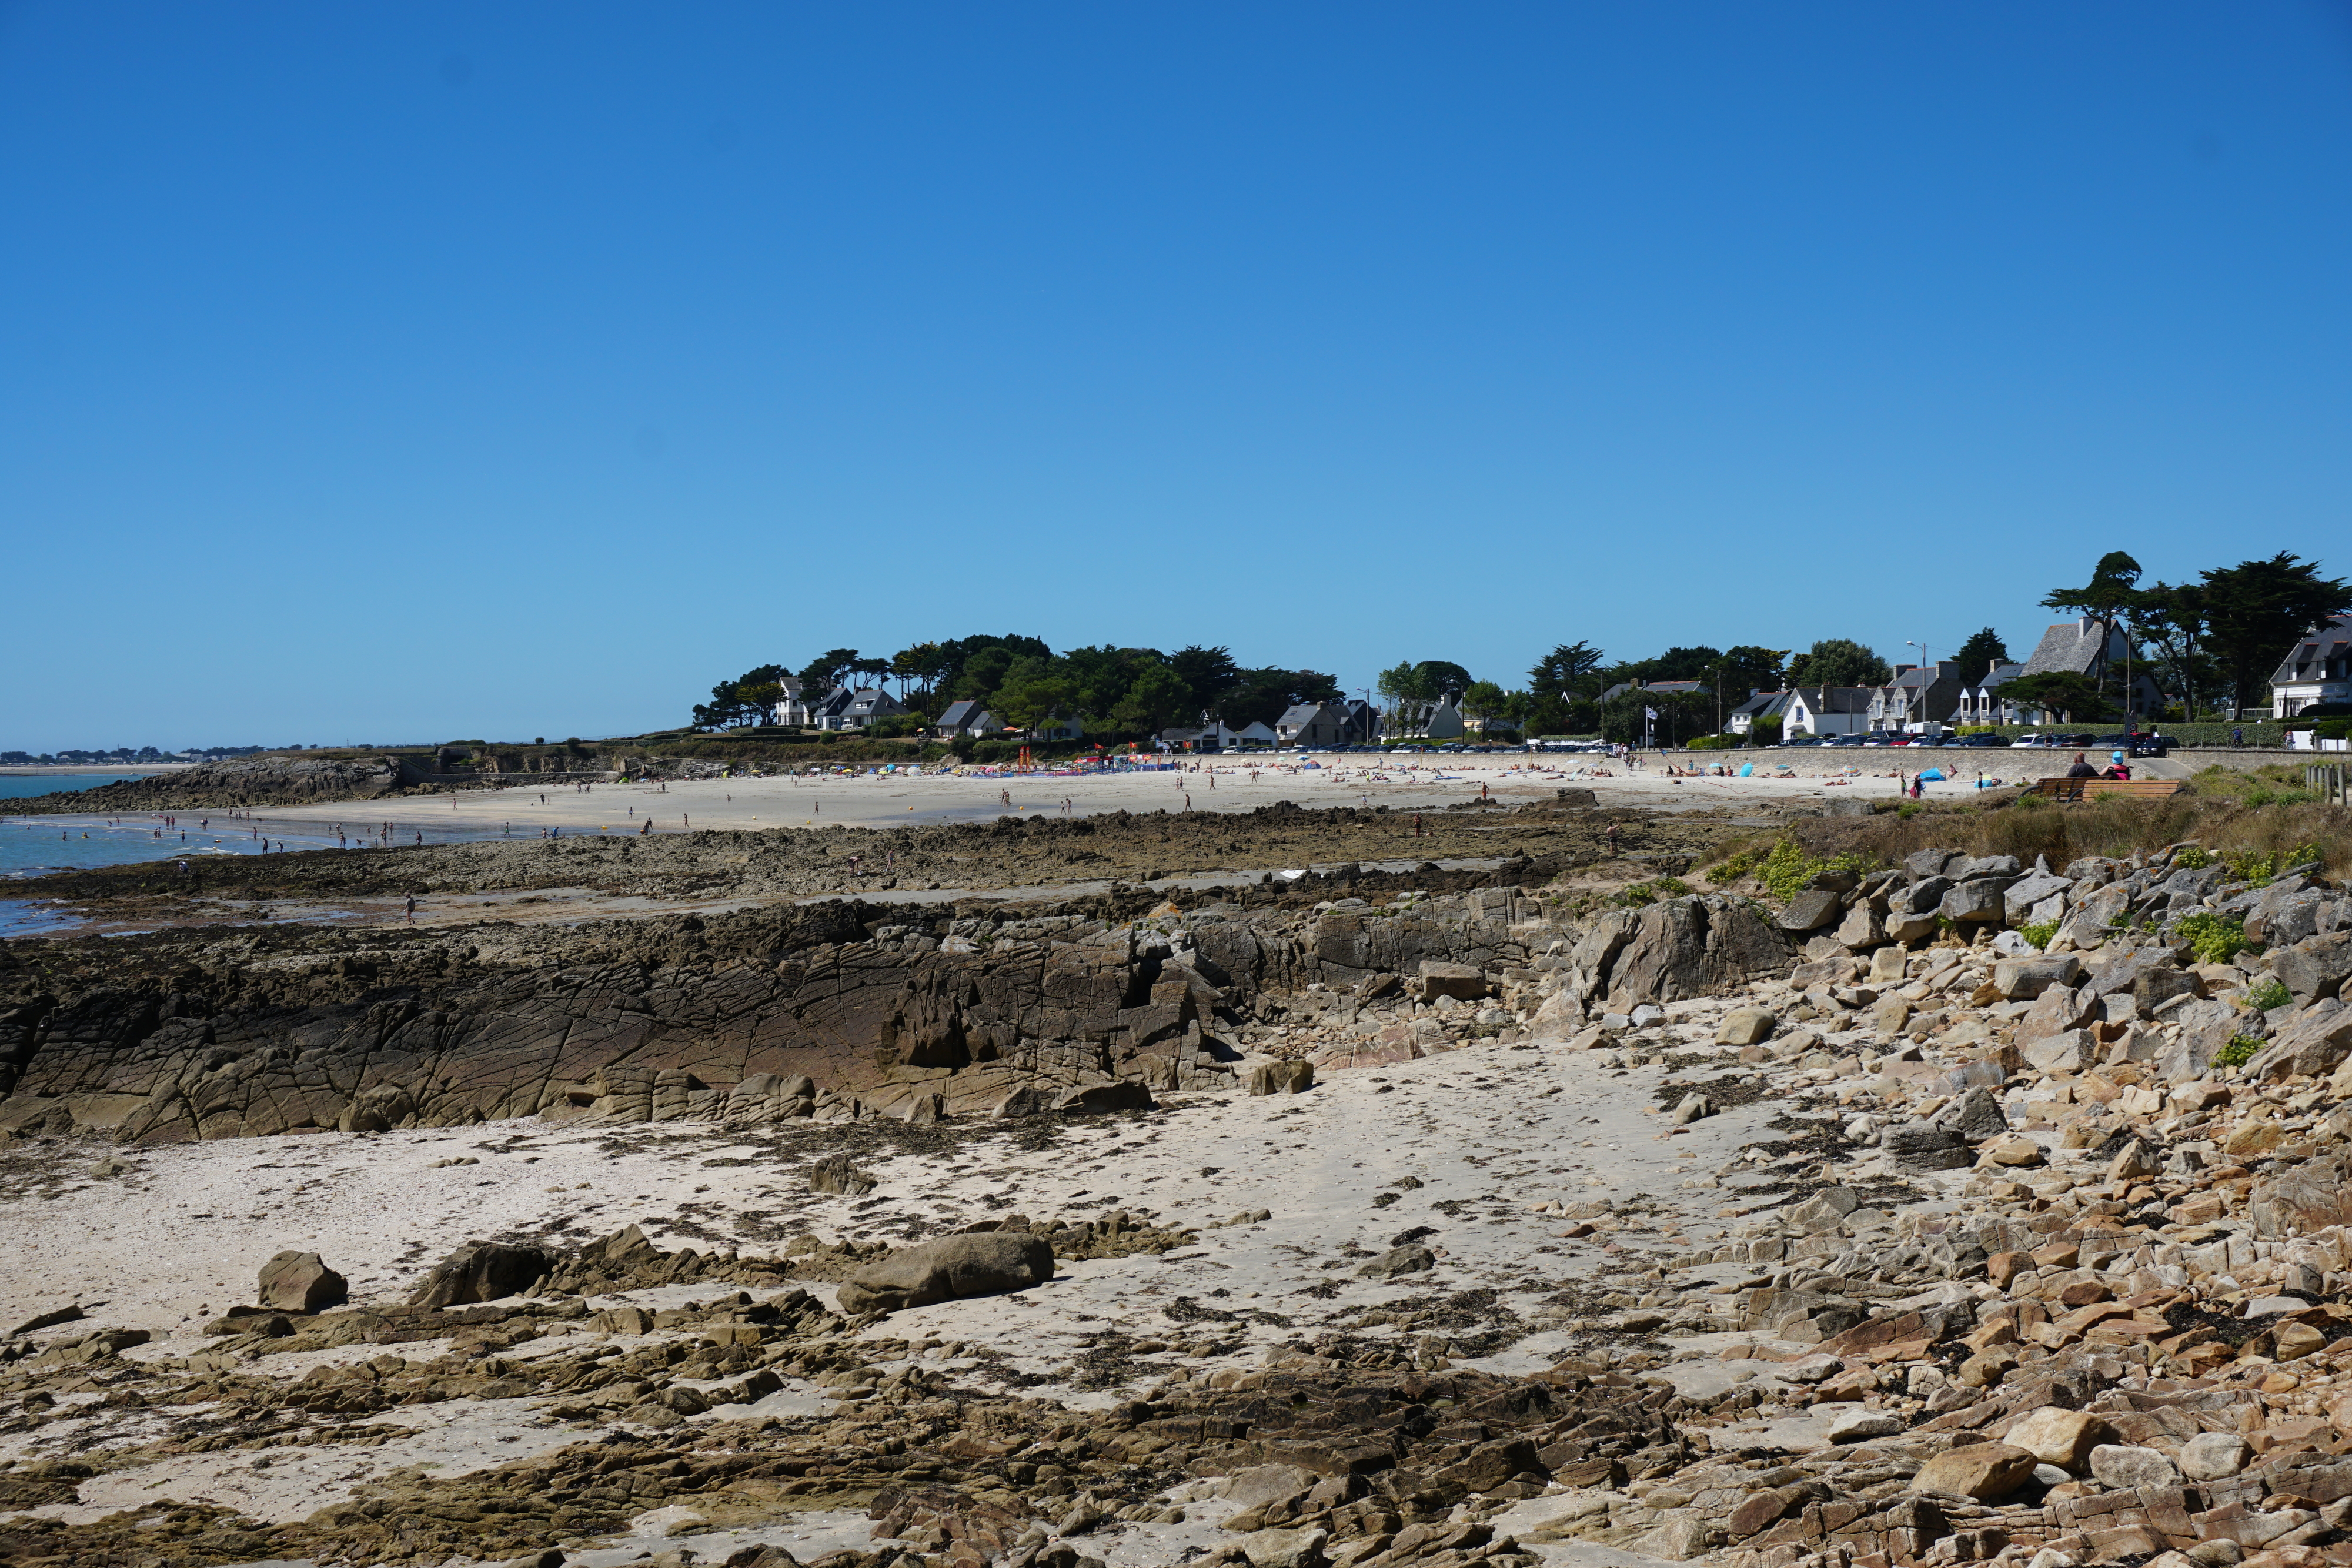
2070 789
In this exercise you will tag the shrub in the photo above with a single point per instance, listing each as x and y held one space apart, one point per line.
1732 868
2271 993
1651 891
1788 868
2238 1053
2215 937
2039 932
1712 743
2195 857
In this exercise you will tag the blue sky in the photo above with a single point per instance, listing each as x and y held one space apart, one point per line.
405 373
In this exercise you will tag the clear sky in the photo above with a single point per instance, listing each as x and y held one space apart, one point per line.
403 373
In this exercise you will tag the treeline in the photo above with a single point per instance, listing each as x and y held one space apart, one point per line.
1115 691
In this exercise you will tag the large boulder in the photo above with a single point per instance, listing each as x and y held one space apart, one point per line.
1705 946
299 1282
2316 966
1096 1099
1924 1147
1810 911
2301 1201
1979 903
1463 982
482 1271
2056 1436
2024 979
1985 1471
949 1267
2312 1044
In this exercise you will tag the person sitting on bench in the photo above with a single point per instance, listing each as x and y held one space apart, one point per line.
2115 768
2081 769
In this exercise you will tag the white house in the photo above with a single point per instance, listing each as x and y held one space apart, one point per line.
1828 710
1759 705
2317 669
790 709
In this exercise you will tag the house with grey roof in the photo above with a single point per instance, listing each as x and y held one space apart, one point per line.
1919 696
2317 670
845 708
1760 707
967 719
2093 649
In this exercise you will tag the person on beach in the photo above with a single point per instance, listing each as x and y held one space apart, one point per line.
412 909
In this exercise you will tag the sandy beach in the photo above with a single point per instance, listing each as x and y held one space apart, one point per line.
876 800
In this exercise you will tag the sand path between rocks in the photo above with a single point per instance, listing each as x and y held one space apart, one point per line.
1488 1132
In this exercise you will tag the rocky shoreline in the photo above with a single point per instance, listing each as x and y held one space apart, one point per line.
2037 1251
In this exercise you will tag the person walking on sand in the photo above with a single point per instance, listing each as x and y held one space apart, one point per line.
412 909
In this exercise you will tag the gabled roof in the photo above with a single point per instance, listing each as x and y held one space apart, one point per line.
1675 686
867 699
1760 704
2308 658
1922 676
2000 676
1300 714
2074 648
1837 699
834 702
959 714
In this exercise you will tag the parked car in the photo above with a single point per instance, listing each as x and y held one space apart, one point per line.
2134 745
2033 742
1979 740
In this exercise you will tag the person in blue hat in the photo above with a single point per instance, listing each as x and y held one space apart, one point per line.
2117 769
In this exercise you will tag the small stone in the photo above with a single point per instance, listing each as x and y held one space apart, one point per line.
1746 1026
1860 1426
1281 1078
2129 1468
2213 1456
835 1174
1397 1260
1285 1548
2013 1150
1693 1107
2293 1341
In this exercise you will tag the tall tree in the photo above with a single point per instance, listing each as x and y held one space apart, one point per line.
1979 653
747 699
1674 664
2255 609
2173 619
1838 662
1033 691
1207 672
1410 693
1571 667
825 672
2108 599
1158 694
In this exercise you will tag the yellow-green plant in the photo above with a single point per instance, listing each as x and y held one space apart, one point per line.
2215 937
